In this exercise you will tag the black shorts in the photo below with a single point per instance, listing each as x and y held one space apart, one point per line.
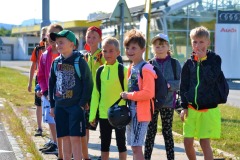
37 100
106 136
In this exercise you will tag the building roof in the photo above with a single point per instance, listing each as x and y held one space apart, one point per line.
67 25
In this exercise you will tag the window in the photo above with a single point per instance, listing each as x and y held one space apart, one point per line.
31 47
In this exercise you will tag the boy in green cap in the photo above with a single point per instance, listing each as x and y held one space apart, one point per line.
69 92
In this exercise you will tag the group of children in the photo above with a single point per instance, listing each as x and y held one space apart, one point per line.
77 104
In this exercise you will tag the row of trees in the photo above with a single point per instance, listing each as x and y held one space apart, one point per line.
5 32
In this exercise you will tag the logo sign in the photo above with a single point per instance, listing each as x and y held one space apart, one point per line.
230 17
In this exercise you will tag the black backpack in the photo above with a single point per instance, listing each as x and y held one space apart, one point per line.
223 88
161 89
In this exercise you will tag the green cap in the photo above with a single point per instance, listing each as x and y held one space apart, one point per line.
64 33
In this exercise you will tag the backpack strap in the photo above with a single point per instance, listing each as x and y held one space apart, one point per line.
121 75
76 66
140 69
98 78
86 56
174 67
99 57
55 62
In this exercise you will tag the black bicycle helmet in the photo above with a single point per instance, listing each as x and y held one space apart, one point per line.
119 116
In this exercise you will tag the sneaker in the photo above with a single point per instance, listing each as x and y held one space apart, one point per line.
38 132
46 145
52 149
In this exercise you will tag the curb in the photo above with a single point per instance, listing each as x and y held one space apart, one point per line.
29 124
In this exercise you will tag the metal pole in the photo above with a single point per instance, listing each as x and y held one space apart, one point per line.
148 7
45 13
122 27
216 12
0 55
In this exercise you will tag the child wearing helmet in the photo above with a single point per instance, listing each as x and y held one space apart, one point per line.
104 98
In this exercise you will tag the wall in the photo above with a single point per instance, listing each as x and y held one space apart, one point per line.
16 48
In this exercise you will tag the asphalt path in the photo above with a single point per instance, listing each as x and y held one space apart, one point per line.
234 98
6 150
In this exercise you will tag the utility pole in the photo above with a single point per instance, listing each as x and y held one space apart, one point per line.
1 49
45 13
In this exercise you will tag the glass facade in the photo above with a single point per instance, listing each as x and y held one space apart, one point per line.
177 18
179 23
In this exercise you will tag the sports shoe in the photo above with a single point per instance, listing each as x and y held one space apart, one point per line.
46 145
51 149
38 132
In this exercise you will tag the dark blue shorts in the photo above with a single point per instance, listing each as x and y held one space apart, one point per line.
37 100
70 121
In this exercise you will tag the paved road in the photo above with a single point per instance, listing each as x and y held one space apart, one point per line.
234 98
6 150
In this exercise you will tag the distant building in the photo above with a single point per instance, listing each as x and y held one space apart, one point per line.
174 17
27 37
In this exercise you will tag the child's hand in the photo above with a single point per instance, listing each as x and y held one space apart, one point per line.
124 95
184 114
93 123
86 107
200 53
39 93
168 85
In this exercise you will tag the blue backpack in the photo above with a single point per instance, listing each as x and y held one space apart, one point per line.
76 65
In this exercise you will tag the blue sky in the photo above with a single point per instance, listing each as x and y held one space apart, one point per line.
16 11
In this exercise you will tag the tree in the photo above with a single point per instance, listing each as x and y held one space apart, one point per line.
5 32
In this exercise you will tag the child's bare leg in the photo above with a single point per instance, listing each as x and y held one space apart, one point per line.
53 131
104 155
87 135
137 153
84 144
206 148
122 155
67 152
60 147
190 151
76 147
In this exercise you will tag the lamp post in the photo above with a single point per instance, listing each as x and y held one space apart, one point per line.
1 44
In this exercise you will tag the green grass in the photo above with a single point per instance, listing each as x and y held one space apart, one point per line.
14 89
230 136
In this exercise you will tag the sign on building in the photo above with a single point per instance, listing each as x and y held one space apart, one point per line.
227 40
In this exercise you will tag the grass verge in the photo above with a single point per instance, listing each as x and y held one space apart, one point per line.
230 129
14 89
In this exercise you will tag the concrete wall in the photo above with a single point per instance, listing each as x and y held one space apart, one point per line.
16 48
